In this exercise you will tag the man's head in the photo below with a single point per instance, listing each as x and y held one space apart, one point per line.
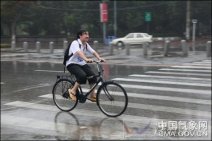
83 35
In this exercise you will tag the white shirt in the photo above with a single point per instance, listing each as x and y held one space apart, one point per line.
75 58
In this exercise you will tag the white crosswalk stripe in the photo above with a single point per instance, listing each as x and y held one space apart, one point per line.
182 90
193 67
185 91
179 73
159 108
186 70
169 77
76 112
162 82
154 96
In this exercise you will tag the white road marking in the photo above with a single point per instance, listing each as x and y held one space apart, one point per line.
198 64
151 96
31 123
77 111
186 70
33 87
193 67
48 71
179 73
163 82
181 90
169 77
131 105
161 108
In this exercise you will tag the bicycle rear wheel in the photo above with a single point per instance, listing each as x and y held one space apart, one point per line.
61 96
112 99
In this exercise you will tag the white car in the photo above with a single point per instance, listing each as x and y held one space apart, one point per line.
132 39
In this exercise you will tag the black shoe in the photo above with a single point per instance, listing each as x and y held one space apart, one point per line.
66 95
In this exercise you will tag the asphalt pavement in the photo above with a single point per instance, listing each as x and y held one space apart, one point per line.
161 89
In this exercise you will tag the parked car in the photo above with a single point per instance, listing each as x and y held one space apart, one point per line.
132 39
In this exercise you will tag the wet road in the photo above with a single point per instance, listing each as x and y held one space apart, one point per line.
161 100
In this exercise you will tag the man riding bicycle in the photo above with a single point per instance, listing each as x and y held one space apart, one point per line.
77 64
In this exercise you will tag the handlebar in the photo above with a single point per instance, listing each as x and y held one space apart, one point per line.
98 61
99 66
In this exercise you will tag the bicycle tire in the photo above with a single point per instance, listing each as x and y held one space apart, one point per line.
119 100
61 87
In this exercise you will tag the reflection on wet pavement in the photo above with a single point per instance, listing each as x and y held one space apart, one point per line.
28 112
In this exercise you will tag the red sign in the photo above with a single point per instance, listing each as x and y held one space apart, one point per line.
103 12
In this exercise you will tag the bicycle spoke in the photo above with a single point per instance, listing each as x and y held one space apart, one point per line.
112 99
61 99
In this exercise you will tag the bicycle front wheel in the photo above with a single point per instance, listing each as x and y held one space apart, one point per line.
61 95
112 99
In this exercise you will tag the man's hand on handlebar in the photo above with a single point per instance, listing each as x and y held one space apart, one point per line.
89 60
101 60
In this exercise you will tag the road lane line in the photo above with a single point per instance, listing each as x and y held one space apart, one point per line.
48 71
162 109
186 70
130 105
178 73
155 97
193 67
163 82
28 122
205 61
169 77
33 87
37 124
198 64
181 90
82 112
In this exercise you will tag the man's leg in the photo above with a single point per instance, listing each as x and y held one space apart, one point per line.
93 93
72 91
80 76
92 80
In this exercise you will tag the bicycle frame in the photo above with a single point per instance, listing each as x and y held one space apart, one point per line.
100 79
94 86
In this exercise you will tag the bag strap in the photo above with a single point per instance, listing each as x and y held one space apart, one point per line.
64 69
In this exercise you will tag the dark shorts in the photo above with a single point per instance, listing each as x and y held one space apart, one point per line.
82 73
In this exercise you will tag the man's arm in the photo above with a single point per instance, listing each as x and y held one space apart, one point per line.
82 55
98 56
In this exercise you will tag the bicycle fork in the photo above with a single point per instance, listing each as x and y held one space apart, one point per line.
108 94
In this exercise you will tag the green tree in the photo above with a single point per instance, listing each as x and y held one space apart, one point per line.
44 18
13 13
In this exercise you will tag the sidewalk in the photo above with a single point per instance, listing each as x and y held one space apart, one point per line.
119 57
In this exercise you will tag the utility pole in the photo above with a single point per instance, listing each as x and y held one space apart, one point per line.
104 18
188 14
115 18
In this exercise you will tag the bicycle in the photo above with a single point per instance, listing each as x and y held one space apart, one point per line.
111 97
